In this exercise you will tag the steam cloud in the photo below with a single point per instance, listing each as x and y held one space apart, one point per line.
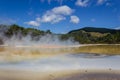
47 39
18 39
18 47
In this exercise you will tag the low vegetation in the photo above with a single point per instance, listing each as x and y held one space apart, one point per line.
100 49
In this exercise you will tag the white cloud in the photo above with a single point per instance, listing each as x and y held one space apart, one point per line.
82 3
100 2
63 10
52 18
54 15
74 19
35 23
57 14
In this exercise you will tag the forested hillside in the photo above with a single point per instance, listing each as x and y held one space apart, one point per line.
93 35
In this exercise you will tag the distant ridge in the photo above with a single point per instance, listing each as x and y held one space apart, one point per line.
94 29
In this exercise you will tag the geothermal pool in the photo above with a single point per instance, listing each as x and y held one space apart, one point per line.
67 62
63 59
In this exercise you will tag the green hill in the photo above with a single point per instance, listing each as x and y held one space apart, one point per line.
94 29
93 35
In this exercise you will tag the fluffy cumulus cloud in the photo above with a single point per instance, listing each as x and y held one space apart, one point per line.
74 19
52 18
63 10
82 3
57 14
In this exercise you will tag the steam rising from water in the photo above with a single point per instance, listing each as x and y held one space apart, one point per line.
47 39
15 47
19 40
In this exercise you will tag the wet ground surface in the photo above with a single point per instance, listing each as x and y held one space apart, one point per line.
93 76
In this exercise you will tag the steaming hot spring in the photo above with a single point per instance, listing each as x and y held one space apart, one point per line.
59 62
21 52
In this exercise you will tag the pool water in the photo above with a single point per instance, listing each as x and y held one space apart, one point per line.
67 62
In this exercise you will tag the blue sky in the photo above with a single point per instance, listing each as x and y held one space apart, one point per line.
61 16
